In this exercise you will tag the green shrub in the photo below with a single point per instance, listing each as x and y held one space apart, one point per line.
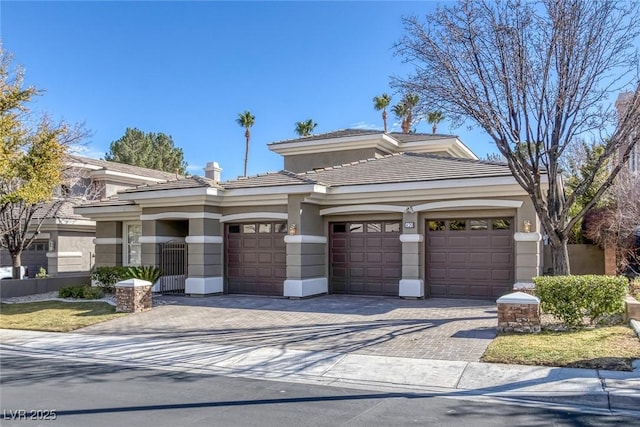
571 298
92 293
107 277
71 292
148 273
83 291
42 273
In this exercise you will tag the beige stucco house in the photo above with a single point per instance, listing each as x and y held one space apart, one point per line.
352 212
65 242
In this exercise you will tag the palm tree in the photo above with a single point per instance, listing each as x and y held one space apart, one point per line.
306 127
404 111
411 101
381 103
434 118
246 120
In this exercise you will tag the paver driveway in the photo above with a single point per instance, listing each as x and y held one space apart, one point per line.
446 329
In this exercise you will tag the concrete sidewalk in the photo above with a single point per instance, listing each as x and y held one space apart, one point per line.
606 391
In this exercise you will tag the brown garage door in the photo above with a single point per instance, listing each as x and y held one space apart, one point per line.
256 258
470 258
365 257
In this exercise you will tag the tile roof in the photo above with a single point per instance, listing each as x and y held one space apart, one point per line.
272 179
345 133
193 181
407 167
124 168
393 168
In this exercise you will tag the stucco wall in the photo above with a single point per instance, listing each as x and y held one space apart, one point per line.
307 162
583 259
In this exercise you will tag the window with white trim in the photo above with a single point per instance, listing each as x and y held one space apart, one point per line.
131 247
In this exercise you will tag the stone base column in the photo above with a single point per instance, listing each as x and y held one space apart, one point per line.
133 295
518 312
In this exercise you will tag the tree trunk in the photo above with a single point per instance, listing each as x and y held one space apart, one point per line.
384 119
17 263
246 153
559 256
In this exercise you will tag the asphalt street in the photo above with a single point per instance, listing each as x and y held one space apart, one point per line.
80 394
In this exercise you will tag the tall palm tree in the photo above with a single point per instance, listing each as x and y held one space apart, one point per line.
404 111
381 103
401 111
246 120
411 101
305 128
434 118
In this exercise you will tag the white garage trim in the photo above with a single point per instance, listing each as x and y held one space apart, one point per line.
64 254
362 209
203 239
254 216
107 241
471 203
527 237
159 239
411 238
302 238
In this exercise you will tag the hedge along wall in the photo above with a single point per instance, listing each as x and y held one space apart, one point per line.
19 288
571 298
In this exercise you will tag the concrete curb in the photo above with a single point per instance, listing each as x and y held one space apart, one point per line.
588 389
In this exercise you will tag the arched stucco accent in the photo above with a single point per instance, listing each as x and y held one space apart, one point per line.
470 203
362 209
254 216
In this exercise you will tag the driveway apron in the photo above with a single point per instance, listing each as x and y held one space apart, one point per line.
444 329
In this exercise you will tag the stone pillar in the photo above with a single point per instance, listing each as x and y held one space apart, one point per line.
306 250
518 312
610 265
527 256
133 295
411 285
204 274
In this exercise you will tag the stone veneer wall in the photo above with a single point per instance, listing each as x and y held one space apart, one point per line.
132 297
519 312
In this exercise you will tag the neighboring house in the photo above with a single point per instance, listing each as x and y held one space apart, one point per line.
65 241
621 107
354 212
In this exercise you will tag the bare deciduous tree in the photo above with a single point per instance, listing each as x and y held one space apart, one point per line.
617 226
535 76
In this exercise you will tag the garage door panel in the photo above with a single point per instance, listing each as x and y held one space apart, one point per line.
467 258
479 241
373 265
374 257
480 258
255 261
501 242
457 258
480 273
356 257
458 242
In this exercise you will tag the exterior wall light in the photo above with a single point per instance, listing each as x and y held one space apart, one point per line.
292 230
526 226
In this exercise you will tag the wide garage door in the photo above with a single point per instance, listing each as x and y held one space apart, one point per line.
365 257
255 258
470 258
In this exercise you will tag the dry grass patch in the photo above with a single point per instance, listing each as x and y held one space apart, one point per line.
55 316
612 347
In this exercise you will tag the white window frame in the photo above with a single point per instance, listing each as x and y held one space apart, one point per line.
125 243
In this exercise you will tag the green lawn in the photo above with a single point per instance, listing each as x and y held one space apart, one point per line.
55 316
612 347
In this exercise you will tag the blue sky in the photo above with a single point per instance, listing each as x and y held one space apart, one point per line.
188 68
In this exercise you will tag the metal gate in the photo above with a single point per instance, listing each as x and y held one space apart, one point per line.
173 263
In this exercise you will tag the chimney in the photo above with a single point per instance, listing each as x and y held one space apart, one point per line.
212 171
